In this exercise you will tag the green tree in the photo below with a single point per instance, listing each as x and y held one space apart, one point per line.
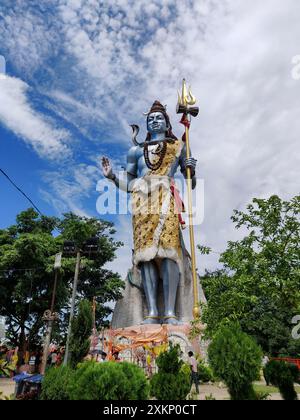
27 253
260 283
81 332
26 260
236 359
95 280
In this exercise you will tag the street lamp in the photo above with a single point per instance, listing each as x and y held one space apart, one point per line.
90 249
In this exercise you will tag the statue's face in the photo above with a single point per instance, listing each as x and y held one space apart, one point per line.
157 123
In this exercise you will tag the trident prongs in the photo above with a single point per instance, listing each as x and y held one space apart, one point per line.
185 102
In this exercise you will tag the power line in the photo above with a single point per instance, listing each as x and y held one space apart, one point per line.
25 195
21 191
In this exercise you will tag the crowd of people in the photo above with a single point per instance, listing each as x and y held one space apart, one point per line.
102 356
30 362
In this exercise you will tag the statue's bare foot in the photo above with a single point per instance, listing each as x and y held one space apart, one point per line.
172 320
149 320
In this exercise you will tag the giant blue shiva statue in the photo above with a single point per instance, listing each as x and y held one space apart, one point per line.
158 244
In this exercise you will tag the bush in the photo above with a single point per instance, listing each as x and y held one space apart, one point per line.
205 373
186 368
172 382
283 376
108 381
167 386
169 361
138 385
295 373
236 359
262 396
55 384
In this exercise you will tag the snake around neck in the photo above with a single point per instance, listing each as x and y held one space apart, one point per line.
161 152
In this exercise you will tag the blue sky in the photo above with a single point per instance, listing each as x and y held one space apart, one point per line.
80 71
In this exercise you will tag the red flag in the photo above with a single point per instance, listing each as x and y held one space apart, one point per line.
184 121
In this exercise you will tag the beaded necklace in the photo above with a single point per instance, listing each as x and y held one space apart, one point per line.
161 153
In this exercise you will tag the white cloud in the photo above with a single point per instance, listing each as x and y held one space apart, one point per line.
67 190
29 40
17 115
124 254
86 118
237 55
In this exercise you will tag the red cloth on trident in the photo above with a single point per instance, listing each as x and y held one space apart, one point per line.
185 121
178 202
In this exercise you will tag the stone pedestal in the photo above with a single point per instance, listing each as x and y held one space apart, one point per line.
132 308
154 334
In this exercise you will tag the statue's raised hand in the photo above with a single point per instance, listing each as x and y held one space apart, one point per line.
107 168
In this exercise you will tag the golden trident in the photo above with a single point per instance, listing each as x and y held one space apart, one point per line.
184 106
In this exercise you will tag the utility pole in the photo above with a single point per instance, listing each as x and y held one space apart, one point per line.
95 339
50 316
102 339
72 310
90 250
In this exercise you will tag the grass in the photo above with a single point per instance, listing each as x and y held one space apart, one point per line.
271 389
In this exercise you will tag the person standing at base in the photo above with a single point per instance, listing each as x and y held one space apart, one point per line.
194 371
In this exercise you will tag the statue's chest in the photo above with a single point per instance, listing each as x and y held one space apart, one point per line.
158 160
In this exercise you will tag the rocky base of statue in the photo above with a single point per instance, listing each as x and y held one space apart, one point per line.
154 335
132 309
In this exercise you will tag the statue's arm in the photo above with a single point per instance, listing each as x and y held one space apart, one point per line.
188 163
131 171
